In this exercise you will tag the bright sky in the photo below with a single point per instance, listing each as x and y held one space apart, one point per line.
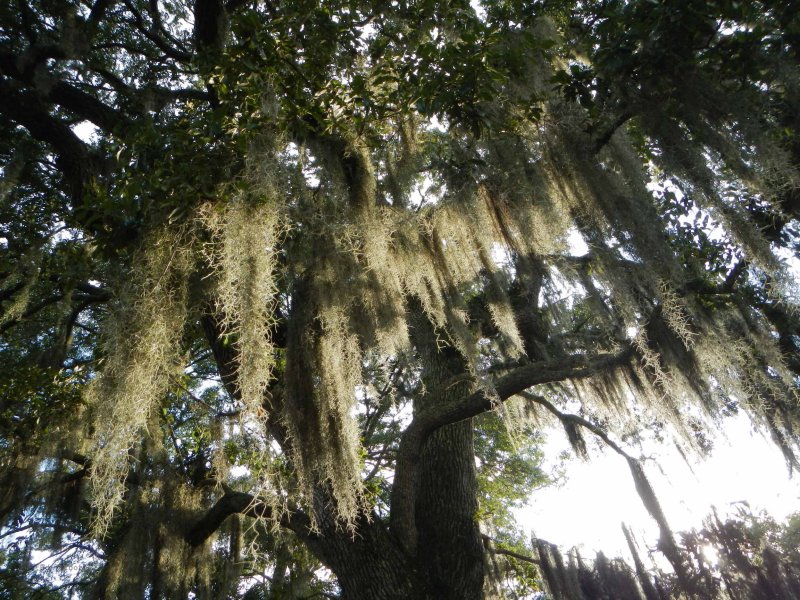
599 494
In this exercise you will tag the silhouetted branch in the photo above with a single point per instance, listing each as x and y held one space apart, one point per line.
443 413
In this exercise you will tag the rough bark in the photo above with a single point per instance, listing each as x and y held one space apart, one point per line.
448 561
449 544
369 565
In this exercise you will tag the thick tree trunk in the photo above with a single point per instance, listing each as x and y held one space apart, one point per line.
449 565
369 564
448 561
449 546
450 550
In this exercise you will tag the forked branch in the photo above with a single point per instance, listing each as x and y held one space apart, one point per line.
443 413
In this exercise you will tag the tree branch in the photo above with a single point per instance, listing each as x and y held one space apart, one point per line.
566 418
164 95
227 361
229 504
439 414
23 69
643 488
233 502
27 110
32 310
161 44
605 136
87 107
488 543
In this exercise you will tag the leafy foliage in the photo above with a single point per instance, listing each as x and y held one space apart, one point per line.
292 317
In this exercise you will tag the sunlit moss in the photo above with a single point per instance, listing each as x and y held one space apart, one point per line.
142 346
242 252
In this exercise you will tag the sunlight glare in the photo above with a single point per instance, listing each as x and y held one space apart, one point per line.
710 554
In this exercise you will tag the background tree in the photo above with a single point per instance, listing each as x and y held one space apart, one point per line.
270 313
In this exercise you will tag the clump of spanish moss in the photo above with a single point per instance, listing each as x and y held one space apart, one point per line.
242 253
142 356
14 307
166 565
579 579
323 361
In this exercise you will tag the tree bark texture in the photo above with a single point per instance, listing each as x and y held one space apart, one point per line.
447 562
368 564
449 547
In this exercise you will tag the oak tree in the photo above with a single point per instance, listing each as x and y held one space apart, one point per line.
286 286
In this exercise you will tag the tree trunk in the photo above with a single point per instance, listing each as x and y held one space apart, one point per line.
449 562
450 551
449 565
369 564
449 547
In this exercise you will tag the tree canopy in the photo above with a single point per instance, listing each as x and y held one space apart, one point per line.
289 291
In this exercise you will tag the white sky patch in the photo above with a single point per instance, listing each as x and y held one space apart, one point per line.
599 495
587 510
480 11
86 131
710 554
61 234
423 193
501 255
790 286
239 471
434 124
368 32
577 244
562 290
